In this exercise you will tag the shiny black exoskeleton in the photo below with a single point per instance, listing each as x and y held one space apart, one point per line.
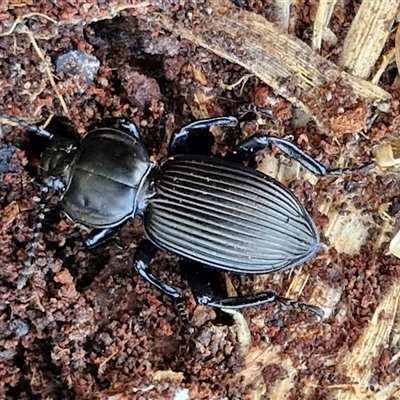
214 213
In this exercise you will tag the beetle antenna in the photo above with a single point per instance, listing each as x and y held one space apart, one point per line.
183 315
35 239
26 125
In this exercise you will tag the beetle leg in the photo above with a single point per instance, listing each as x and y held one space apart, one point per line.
184 318
179 143
259 141
203 283
143 256
123 124
100 236
236 303
130 126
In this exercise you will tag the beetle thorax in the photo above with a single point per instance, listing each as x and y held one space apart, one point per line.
107 179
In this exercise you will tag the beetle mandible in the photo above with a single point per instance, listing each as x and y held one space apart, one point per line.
214 213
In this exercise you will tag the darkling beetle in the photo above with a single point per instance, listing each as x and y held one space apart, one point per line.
214 213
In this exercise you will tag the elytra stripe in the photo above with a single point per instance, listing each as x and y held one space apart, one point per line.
237 235
247 209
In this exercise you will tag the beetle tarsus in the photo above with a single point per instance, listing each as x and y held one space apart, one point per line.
259 141
184 317
357 170
303 306
314 309
247 109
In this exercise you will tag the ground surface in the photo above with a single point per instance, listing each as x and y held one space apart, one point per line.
86 327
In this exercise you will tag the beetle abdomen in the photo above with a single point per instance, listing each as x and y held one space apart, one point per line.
228 216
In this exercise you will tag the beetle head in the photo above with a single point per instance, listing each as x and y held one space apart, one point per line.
56 163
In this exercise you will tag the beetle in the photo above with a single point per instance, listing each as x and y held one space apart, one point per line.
212 212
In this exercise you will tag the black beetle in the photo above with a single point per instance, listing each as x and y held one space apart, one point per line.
214 213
